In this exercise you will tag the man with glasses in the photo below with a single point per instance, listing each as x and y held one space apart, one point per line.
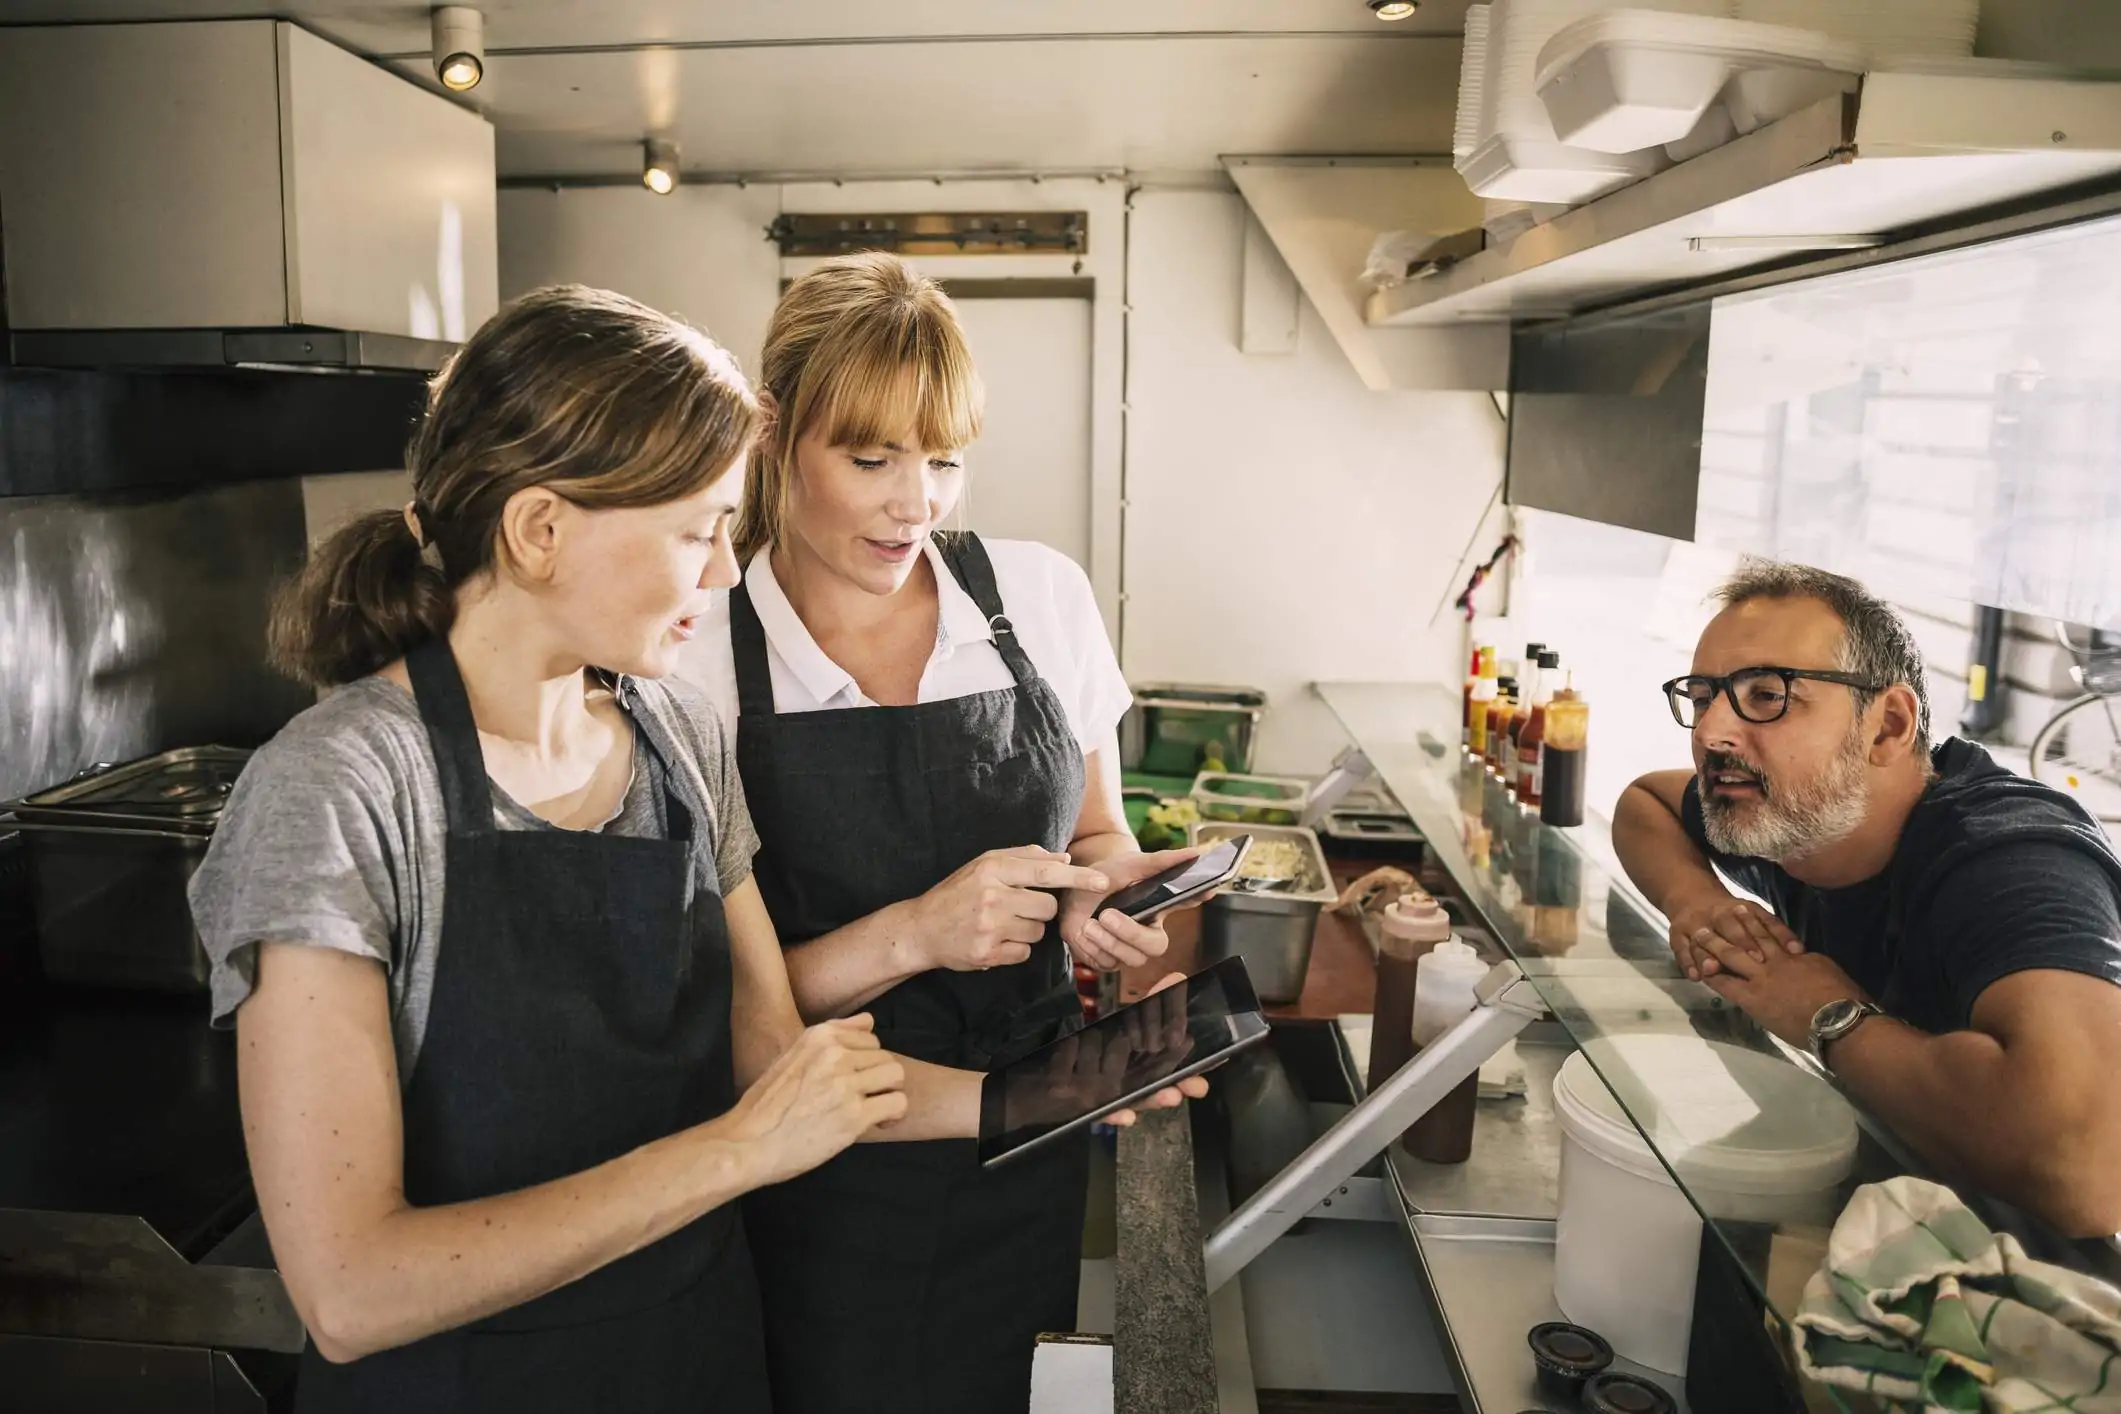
1942 934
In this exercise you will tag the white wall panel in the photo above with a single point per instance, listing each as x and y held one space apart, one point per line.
1030 472
700 253
1284 524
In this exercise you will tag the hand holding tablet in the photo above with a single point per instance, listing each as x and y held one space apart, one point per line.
1119 1060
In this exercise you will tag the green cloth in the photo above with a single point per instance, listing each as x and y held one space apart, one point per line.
1921 1305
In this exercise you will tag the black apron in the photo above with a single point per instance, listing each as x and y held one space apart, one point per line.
902 1277
581 1009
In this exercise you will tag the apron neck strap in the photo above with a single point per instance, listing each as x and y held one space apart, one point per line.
974 572
747 642
969 565
445 710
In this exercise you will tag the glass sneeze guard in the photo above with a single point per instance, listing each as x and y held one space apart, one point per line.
1599 958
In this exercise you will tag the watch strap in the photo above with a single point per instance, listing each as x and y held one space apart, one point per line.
1825 1034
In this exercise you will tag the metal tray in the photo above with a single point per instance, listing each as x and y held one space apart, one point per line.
177 792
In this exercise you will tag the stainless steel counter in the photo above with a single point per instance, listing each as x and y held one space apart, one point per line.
1483 1231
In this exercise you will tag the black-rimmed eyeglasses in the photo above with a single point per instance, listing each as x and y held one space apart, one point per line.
1759 695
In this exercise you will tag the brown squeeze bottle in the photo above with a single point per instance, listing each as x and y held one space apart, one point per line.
1406 930
1531 739
1498 735
1563 757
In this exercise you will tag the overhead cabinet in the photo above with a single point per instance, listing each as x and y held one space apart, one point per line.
228 179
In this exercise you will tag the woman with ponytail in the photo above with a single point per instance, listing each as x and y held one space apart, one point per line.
514 1031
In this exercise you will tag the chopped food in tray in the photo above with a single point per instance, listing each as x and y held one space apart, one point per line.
1280 860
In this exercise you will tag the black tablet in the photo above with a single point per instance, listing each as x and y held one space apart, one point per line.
1118 1060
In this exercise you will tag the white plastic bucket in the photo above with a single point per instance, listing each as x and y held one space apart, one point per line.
1757 1140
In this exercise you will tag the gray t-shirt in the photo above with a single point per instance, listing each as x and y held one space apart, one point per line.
334 837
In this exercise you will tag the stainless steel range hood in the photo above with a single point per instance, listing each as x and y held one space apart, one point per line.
1912 154
235 193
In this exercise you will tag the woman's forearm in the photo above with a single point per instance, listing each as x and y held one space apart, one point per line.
941 1103
840 972
412 1272
1094 849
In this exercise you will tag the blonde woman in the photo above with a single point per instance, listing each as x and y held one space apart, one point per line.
926 729
513 1029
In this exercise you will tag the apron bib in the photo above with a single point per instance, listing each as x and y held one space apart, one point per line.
581 1009
902 1277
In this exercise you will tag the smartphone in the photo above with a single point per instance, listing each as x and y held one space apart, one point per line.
1119 1060
1207 871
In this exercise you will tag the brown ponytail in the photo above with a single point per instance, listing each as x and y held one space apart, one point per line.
601 398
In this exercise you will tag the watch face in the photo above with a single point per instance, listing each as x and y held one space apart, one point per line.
1835 1015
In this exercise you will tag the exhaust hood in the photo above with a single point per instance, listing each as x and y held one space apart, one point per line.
235 193
1322 215
1911 154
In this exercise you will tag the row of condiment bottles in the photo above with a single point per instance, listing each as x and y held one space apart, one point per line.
1532 731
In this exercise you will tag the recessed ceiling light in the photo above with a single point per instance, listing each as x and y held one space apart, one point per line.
1394 9
659 165
459 46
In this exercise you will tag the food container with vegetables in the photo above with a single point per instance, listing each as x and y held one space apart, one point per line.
1269 915
1178 729
1251 800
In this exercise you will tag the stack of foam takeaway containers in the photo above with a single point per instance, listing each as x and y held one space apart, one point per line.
1563 101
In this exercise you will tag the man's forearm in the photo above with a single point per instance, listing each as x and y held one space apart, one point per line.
1963 1106
1654 849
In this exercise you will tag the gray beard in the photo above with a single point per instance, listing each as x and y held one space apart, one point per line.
1790 822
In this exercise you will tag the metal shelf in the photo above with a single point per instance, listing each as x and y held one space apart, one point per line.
1489 1270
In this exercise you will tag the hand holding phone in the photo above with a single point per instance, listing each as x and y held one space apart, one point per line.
1196 878
1110 931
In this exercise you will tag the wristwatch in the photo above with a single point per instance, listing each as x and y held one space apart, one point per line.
1835 1020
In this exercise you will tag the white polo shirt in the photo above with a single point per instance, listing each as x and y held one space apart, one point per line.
1048 600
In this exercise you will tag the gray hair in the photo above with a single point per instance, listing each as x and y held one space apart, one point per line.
1875 642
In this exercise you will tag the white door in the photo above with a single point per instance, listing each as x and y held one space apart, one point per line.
1030 470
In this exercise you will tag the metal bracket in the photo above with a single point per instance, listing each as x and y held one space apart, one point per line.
1507 1004
1350 769
1360 1200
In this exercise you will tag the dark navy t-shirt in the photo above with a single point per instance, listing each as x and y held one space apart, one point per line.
1994 874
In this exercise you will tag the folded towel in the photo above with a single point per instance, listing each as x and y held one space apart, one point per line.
1921 1305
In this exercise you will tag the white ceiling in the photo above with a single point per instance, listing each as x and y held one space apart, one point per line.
394 27
857 87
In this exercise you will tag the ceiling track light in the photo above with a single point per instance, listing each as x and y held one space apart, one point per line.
659 165
459 47
1394 9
